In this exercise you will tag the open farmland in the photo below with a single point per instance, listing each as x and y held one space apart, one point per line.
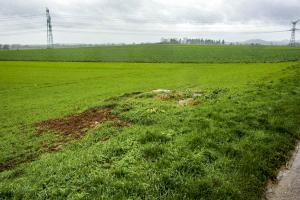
82 130
160 53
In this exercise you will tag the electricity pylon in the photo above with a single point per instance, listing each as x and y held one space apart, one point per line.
49 30
293 36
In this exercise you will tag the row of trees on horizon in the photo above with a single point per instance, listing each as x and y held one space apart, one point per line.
199 41
4 46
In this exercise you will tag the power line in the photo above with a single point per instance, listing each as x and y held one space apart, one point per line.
87 26
17 32
58 21
129 20
124 31
77 26
153 32
19 17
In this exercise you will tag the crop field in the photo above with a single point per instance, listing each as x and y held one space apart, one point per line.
159 54
170 122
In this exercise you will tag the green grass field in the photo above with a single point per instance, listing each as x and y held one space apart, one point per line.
226 145
159 54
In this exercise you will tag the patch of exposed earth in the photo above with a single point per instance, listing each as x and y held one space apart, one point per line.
77 124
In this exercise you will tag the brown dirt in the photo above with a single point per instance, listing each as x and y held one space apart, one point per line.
77 124
74 126
56 145
166 97
163 97
104 138
10 164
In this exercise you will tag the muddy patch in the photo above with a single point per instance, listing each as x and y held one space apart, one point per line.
28 158
71 127
10 164
76 125
164 97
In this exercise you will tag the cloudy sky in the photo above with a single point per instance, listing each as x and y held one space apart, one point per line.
127 21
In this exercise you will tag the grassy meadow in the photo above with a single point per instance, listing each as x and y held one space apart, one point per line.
159 54
239 129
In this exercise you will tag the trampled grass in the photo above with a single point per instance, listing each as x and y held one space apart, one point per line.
159 54
226 146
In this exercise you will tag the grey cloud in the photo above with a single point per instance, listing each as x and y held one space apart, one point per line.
147 15
147 10
276 11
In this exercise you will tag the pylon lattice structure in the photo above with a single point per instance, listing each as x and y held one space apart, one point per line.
293 36
49 30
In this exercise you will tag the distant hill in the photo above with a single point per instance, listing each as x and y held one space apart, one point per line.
264 42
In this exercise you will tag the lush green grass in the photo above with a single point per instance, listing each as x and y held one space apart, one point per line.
224 148
160 53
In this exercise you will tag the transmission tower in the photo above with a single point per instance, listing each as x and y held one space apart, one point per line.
49 30
293 36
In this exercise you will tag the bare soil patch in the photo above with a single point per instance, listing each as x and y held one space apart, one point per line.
77 124
10 164
74 126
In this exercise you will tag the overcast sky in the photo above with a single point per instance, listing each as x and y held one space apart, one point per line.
117 21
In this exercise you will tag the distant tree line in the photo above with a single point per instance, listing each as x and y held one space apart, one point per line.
199 41
4 46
